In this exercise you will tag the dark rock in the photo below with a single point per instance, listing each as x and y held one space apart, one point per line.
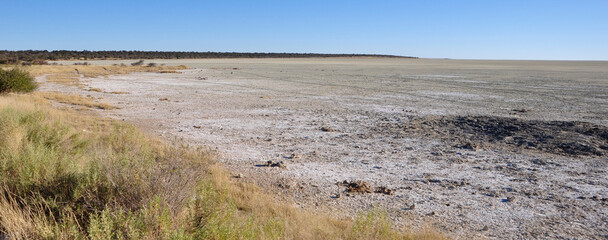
327 129
384 190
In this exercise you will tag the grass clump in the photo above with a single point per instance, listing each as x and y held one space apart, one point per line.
16 80
60 182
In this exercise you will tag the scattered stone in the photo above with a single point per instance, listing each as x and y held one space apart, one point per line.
163 99
364 187
238 175
196 126
357 187
469 146
327 129
521 110
279 164
293 156
384 190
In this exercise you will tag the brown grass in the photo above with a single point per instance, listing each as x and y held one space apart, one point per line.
68 79
95 70
69 75
94 90
74 100
117 92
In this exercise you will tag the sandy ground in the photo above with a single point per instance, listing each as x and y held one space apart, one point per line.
483 149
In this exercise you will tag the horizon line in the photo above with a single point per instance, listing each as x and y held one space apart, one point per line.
317 53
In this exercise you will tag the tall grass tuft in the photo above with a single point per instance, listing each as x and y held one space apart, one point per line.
116 182
16 80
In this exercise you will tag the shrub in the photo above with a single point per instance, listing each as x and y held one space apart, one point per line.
16 80
40 62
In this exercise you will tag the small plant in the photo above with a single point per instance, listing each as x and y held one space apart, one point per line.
16 80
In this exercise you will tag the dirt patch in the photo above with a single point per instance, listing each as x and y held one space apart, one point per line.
571 138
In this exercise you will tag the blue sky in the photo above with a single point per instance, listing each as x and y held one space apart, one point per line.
513 29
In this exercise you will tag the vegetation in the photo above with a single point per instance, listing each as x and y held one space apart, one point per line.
75 100
40 56
72 73
16 80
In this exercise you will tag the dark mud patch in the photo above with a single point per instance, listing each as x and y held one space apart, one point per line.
490 132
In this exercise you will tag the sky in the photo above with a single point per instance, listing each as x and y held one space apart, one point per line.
459 29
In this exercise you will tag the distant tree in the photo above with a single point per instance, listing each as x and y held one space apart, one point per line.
15 57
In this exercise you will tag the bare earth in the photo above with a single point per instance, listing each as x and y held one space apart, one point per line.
495 149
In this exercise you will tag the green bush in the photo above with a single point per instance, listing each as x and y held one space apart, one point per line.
16 80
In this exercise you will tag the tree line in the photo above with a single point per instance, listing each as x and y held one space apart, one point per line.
41 56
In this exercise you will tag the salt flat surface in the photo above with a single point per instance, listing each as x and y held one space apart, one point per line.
471 147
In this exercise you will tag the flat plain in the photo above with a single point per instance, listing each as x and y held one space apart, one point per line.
484 149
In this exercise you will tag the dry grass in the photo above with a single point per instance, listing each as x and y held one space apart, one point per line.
168 71
95 70
74 100
68 79
69 75
99 90
94 90
117 92
34 102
